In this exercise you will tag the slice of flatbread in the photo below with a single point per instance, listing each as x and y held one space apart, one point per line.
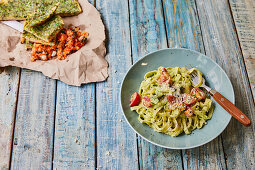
68 8
42 14
30 37
15 10
47 31
20 9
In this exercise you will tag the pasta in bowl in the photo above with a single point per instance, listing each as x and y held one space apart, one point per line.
168 102
215 77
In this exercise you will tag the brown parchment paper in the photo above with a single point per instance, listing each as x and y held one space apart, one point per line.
84 66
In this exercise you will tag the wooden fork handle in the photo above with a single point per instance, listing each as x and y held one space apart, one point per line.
231 108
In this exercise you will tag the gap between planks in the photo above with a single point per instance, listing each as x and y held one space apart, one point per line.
14 119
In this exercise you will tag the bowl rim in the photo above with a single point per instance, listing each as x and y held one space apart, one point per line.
168 147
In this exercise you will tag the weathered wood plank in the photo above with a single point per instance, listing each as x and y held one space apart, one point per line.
183 30
209 156
33 135
9 80
74 127
74 140
116 142
221 44
147 27
243 12
182 25
148 34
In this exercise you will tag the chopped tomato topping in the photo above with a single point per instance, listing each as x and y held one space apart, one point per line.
175 100
146 101
135 99
68 41
171 99
42 52
189 111
188 99
164 77
198 93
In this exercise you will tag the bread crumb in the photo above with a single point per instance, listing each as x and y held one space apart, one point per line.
108 153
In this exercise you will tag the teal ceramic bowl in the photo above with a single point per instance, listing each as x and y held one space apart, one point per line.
215 77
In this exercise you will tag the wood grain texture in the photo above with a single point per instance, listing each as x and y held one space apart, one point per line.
74 127
9 80
33 135
221 44
182 25
183 30
116 141
147 27
147 35
155 157
209 155
243 12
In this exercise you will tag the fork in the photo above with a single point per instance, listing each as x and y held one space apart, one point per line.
225 103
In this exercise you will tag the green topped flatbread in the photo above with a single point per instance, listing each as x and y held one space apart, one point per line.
16 9
47 31
42 14
30 37
20 9
68 8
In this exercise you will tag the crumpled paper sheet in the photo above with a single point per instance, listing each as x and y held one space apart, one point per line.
84 66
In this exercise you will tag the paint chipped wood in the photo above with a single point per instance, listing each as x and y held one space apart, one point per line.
74 143
33 135
243 12
9 80
116 141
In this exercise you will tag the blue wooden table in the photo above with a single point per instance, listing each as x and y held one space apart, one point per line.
46 124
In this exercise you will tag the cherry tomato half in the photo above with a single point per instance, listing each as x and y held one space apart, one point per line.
188 99
165 77
135 99
171 99
189 111
198 93
146 101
